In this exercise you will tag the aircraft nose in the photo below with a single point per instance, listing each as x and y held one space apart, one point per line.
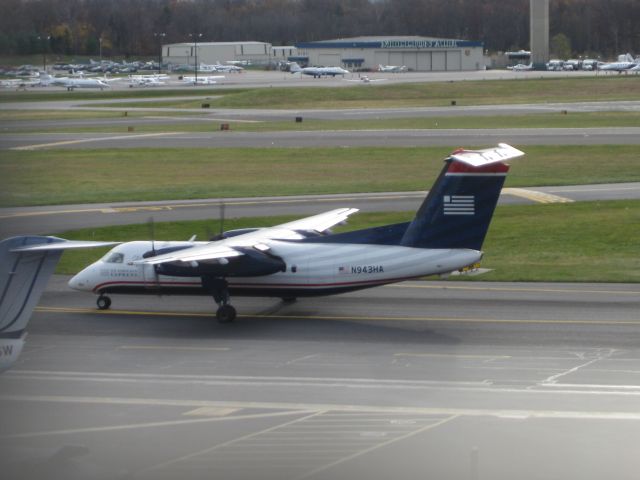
79 281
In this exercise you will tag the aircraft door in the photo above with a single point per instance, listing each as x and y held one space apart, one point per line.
149 275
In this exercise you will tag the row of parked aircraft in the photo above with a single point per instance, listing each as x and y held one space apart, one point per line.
295 259
81 81
625 63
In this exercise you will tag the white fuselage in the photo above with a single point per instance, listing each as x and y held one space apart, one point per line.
311 269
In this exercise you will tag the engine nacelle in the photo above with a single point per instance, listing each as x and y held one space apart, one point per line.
251 264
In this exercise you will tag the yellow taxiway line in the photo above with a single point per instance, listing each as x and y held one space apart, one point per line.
535 196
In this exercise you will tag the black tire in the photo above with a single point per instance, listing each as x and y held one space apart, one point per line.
289 299
103 302
226 314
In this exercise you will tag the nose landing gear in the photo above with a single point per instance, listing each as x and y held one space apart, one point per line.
103 302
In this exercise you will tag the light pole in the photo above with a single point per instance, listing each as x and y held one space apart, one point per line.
100 43
195 37
160 37
44 51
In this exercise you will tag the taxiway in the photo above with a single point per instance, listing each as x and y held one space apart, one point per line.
421 379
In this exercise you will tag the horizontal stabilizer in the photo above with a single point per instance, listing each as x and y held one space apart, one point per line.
480 158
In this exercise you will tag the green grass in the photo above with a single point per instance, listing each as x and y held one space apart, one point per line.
43 95
540 120
483 92
109 175
36 115
578 242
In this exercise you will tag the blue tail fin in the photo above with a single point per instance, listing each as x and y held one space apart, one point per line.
459 207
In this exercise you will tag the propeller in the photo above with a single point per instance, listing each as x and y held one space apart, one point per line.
220 235
152 235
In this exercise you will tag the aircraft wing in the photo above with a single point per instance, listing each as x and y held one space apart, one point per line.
233 246
320 222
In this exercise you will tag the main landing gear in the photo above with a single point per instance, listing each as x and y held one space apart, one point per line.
219 289
103 302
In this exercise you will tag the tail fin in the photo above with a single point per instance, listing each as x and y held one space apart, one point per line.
294 67
26 263
459 207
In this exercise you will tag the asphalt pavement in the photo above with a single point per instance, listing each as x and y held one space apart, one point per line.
419 380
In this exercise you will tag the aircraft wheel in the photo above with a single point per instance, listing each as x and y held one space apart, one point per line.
103 302
226 314
289 299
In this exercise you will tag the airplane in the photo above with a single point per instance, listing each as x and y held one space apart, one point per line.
318 72
202 80
521 67
392 68
19 83
154 80
624 63
26 263
72 83
303 258
217 67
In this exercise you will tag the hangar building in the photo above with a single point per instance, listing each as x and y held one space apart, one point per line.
214 52
423 54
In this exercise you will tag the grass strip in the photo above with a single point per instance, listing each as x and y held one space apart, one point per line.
426 94
94 176
560 242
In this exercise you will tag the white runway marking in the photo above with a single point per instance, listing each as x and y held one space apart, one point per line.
88 140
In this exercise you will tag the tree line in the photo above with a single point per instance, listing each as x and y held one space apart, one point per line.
137 27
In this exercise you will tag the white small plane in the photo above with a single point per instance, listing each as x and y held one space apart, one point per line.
624 63
203 79
521 67
153 80
218 67
72 83
392 68
303 258
318 72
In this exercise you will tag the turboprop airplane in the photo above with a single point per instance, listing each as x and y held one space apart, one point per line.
303 258
318 72
26 263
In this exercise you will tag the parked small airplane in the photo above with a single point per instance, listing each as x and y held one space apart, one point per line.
624 63
302 258
26 263
392 68
72 83
317 72
153 80
521 67
203 80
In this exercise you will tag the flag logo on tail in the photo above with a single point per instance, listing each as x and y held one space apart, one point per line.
459 205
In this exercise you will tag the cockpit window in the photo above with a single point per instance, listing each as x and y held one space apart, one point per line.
114 257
